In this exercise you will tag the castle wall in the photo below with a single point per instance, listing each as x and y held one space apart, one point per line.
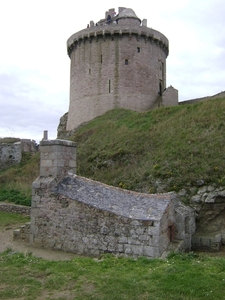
115 66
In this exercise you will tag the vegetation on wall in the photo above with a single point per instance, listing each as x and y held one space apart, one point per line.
9 140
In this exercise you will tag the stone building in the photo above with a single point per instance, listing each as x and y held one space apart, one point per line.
76 214
118 62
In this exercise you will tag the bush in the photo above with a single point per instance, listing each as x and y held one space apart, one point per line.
15 196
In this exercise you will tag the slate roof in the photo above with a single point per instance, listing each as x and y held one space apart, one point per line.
115 200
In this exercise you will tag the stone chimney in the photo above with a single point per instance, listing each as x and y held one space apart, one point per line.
58 157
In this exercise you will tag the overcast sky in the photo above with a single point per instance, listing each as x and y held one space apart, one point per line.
35 68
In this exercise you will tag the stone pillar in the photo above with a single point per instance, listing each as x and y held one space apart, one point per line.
45 135
144 22
58 157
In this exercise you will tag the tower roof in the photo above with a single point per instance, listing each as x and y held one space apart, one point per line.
128 14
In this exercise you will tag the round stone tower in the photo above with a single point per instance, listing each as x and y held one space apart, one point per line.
117 62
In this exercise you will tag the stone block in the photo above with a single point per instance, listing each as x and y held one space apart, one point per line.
123 240
58 162
34 230
128 249
150 251
144 237
36 184
46 163
72 163
137 250
153 231
133 241
120 248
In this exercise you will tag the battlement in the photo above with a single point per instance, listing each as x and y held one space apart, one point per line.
92 34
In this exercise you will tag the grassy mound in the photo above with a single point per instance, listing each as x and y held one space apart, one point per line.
156 151
164 150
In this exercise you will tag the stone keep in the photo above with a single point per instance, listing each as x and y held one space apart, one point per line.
121 63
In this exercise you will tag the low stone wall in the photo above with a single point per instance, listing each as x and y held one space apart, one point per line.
13 208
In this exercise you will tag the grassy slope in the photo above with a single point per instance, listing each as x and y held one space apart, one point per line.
156 151
15 182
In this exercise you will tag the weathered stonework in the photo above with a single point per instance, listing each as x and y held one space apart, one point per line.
75 214
209 203
121 63
15 208
11 154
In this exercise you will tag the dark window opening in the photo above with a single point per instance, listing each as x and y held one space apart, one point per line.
109 85
138 49
101 59
89 71
171 233
160 88
126 61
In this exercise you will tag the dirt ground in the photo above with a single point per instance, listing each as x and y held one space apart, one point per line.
6 242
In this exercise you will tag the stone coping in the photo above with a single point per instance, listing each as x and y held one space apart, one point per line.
58 142
118 201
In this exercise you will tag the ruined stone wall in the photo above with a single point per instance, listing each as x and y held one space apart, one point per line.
10 154
115 66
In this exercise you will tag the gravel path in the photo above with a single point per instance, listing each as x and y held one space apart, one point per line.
6 242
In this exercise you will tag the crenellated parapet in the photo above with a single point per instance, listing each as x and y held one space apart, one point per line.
93 34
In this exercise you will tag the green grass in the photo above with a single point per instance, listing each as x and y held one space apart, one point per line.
15 196
15 182
9 140
181 276
12 219
167 149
